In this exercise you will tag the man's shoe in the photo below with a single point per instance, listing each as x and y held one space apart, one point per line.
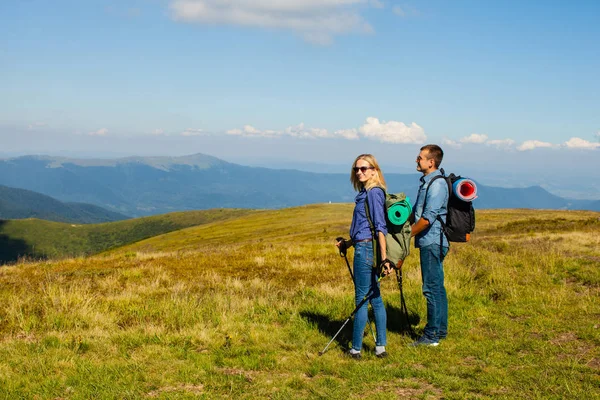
383 354
425 341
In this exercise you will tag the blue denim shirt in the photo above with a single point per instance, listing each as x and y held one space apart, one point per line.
360 230
437 203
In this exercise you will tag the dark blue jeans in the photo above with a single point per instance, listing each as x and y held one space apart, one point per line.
365 278
432 272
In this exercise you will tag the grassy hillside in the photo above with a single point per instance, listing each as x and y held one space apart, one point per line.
240 309
40 239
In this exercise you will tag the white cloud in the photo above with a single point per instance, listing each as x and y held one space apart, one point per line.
451 143
578 143
310 133
479 139
99 132
250 131
158 132
299 131
318 21
474 138
392 131
191 132
501 143
532 144
350 134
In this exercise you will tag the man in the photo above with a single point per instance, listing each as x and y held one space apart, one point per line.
431 241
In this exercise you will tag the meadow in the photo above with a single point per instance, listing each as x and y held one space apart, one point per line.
240 308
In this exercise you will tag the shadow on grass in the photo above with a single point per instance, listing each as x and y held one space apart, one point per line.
12 250
330 327
397 321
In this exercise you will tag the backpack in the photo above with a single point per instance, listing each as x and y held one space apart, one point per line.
460 220
397 213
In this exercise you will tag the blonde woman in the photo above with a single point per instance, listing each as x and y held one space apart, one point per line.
368 181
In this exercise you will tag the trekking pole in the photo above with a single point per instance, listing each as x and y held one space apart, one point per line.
363 301
343 254
403 307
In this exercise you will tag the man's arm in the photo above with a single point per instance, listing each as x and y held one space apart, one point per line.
436 198
419 227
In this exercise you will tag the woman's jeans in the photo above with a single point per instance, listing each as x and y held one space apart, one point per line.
432 272
365 278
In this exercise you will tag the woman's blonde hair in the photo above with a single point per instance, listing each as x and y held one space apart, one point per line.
376 180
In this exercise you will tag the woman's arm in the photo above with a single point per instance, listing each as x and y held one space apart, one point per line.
382 244
377 210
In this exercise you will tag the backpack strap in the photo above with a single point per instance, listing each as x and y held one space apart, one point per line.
438 218
376 253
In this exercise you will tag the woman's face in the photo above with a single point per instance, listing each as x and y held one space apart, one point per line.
364 171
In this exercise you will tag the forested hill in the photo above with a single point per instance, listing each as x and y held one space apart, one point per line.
21 203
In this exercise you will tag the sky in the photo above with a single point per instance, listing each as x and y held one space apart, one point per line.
502 86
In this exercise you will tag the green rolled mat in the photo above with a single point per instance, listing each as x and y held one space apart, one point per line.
399 212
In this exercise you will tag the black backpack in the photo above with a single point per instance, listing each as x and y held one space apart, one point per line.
460 220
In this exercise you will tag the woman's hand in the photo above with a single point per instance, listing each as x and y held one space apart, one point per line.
342 244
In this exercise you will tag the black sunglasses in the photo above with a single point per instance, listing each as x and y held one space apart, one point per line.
363 169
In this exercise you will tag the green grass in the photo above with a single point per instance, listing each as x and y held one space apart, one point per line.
40 239
241 308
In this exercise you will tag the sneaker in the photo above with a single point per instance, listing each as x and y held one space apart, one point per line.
425 341
383 354
354 354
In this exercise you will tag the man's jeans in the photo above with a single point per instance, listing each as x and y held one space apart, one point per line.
432 272
365 277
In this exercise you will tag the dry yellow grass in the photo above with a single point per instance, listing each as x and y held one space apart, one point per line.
240 309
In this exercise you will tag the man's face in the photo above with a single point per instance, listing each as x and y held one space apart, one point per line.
424 163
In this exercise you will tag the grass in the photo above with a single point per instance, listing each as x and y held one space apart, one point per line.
241 308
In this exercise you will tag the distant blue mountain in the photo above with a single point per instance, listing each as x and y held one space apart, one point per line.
139 186
20 203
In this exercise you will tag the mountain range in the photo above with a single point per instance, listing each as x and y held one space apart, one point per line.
141 186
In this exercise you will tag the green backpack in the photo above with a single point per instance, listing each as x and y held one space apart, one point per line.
397 213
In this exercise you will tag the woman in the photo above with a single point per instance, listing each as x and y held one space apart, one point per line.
368 181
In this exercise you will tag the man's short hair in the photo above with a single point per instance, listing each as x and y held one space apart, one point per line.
435 152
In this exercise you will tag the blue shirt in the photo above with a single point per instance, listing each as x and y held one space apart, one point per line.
360 229
437 203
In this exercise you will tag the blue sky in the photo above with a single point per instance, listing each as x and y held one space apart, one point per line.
302 80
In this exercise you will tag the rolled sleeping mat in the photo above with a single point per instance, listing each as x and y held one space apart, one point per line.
399 212
465 189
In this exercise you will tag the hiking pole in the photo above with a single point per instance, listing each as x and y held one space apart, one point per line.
403 307
363 301
343 254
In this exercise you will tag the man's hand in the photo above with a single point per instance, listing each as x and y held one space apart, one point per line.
419 227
